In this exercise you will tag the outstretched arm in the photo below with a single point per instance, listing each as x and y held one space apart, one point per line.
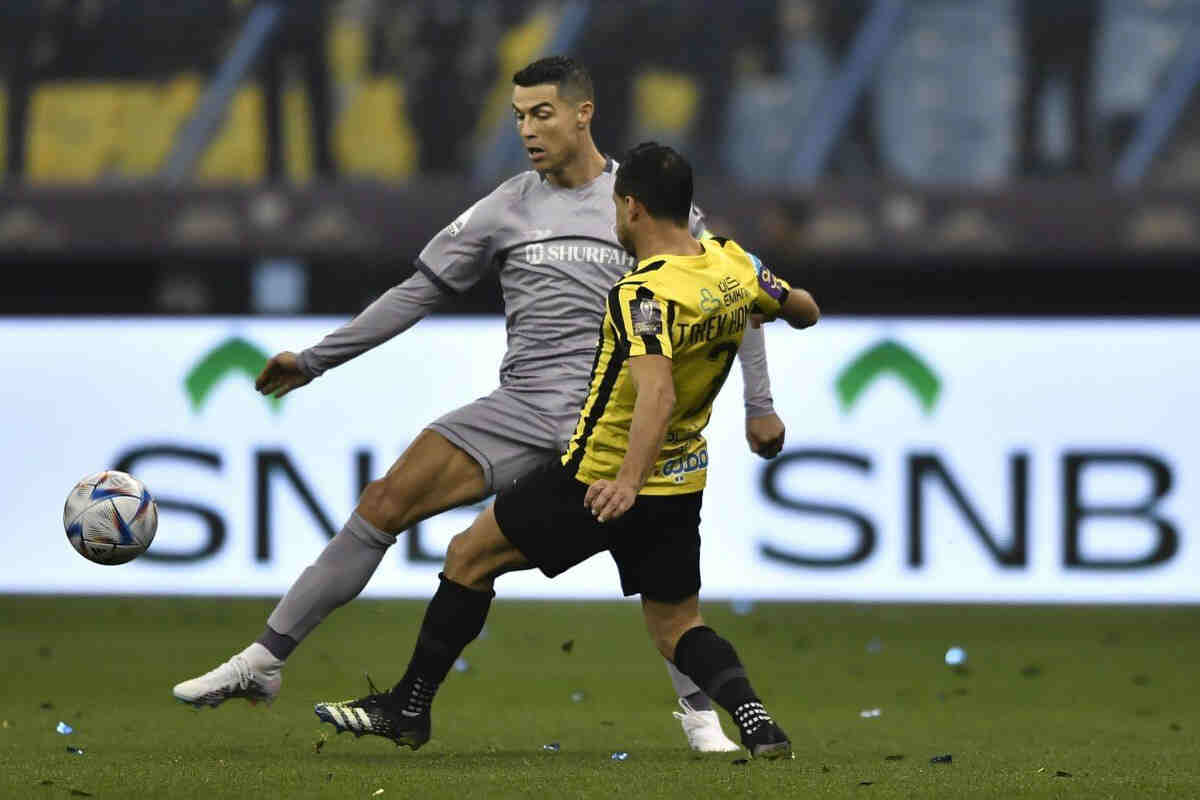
394 312
453 261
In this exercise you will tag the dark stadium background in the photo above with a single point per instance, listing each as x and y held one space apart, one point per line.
1025 205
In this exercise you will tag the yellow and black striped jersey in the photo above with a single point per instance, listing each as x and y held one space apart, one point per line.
693 310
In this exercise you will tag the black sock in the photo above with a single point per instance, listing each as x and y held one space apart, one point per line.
453 619
713 664
281 645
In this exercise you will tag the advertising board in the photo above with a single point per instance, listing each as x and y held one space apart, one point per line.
927 460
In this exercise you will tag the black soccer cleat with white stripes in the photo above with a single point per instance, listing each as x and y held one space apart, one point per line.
760 735
378 714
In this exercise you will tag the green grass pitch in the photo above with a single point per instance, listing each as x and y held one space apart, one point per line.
1109 695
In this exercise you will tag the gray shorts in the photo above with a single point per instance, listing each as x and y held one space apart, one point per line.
509 432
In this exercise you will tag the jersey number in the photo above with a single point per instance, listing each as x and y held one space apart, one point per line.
725 350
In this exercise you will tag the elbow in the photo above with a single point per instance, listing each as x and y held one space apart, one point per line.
808 312
814 316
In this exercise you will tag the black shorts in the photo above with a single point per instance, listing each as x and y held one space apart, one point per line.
655 544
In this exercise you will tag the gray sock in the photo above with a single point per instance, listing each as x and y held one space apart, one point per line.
334 579
686 688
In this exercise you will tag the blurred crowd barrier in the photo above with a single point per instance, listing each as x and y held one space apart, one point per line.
773 92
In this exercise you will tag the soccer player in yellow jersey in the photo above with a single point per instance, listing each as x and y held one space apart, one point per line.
632 477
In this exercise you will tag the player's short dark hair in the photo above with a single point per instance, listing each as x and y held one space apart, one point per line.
659 178
573 80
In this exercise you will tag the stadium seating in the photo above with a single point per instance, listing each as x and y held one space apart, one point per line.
947 92
89 130
3 133
768 114
665 103
943 105
1135 44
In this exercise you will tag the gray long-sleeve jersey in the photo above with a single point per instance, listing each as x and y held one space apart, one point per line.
558 256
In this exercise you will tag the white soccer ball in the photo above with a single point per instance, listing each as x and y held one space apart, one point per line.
110 517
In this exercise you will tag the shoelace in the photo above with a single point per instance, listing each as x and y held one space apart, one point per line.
688 711
375 697
242 669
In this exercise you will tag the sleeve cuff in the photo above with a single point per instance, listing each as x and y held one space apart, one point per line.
755 410
305 362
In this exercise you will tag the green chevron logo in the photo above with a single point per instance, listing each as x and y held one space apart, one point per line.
234 355
888 358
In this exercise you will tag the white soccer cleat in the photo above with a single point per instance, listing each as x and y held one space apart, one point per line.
703 730
237 677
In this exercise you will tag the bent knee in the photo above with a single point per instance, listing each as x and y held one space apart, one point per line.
467 564
474 561
384 507
459 554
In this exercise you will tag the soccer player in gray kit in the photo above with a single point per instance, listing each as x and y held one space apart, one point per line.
550 232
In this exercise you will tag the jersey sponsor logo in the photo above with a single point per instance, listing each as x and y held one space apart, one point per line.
736 296
708 302
732 291
677 469
540 253
456 227
647 317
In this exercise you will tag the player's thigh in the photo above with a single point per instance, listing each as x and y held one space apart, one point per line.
505 432
657 551
431 476
544 517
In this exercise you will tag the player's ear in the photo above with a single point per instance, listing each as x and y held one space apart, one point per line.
629 205
634 207
583 114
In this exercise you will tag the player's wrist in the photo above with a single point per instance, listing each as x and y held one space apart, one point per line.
304 362
629 481
757 410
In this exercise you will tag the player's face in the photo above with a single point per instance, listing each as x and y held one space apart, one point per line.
549 126
622 226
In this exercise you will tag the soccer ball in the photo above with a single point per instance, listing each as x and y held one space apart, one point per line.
110 517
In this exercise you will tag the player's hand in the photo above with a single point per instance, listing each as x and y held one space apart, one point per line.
609 499
765 435
281 375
